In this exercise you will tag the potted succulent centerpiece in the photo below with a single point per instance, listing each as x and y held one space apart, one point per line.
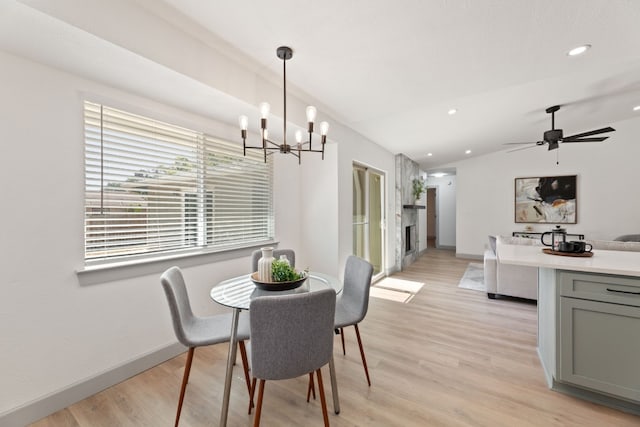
281 271
281 276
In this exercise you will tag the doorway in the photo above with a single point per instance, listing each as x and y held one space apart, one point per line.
369 217
432 218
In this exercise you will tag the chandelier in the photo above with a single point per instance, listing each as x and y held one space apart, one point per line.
268 146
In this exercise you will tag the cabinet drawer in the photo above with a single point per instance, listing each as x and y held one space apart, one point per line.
600 287
600 347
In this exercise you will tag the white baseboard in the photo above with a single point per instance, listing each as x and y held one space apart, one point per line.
42 407
469 256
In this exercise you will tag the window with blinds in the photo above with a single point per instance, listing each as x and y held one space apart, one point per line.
156 188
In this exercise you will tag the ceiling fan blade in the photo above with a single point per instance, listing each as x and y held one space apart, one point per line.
523 148
519 143
591 132
598 139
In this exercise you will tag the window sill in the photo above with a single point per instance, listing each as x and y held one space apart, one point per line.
110 272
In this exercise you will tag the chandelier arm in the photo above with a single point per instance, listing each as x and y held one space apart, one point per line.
261 148
272 143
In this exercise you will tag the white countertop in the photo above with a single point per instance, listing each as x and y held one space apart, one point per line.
622 263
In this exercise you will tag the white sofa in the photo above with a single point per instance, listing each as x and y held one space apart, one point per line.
521 281
510 280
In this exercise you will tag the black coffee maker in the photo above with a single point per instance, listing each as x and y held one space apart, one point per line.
558 239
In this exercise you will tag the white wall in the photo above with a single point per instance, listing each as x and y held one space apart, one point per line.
608 174
446 193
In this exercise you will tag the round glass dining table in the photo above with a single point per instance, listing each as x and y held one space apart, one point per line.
239 291
237 294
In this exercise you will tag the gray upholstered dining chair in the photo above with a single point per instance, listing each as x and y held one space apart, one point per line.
193 331
291 336
289 253
353 302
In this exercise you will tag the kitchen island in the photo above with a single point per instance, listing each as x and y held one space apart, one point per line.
588 322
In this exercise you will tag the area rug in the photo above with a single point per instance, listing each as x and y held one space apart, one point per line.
473 278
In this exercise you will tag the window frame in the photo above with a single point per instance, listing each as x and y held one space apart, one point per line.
202 249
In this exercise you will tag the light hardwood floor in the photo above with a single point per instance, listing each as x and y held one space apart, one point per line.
449 357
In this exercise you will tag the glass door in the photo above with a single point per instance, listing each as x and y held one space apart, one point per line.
369 217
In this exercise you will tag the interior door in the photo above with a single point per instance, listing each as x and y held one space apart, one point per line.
369 217
431 218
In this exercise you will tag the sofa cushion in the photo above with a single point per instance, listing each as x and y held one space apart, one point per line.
628 238
612 245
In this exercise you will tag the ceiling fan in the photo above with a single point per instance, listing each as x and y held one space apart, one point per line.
554 136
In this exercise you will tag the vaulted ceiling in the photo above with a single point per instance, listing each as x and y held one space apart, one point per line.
392 70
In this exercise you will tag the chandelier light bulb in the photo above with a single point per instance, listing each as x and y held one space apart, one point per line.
298 136
264 109
311 113
265 134
244 122
324 128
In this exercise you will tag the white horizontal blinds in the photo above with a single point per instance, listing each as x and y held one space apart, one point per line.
238 188
145 186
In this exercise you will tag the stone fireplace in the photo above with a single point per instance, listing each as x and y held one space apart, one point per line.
407 228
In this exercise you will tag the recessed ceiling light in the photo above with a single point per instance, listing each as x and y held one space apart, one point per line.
452 111
467 152
429 154
636 108
438 174
579 50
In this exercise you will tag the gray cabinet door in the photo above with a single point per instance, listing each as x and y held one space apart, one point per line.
600 347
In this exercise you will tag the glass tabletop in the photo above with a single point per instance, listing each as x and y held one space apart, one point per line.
239 291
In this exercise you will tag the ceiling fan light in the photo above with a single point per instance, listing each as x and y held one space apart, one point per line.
579 50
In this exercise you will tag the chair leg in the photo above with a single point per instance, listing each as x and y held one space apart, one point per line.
344 352
251 394
323 401
256 420
245 366
364 360
185 380
311 388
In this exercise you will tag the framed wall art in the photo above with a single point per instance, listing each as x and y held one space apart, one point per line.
546 200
